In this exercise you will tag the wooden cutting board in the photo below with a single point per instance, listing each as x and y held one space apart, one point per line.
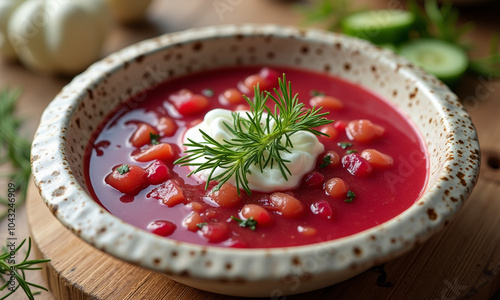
461 262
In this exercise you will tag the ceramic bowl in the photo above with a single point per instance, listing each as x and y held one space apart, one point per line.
71 118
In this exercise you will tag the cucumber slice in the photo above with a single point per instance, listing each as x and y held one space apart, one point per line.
446 61
379 26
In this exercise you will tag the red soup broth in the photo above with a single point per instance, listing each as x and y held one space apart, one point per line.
382 191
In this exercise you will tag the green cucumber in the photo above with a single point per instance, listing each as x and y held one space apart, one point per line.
379 26
446 61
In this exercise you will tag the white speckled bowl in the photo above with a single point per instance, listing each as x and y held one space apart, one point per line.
68 122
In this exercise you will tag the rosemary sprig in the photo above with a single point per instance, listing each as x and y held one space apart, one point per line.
18 270
14 149
259 139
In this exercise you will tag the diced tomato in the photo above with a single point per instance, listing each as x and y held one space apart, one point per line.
231 96
322 208
377 159
334 159
158 172
270 76
161 151
363 131
226 196
243 107
129 182
330 131
188 103
340 125
327 102
336 187
167 126
313 179
253 80
258 213
141 135
239 244
170 193
287 205
211 213
215 232
307 230
197 207
162 227
356 165
193 221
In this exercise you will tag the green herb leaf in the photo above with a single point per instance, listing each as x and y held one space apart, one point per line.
17 270
315 93
200 225
326 161
250 222
350 196
254 143
123 169
351 151
207 92
326 11
344 145
490 64
154 138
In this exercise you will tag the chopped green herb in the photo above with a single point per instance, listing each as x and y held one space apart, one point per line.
123 169
200 225
315 93
207 92
344 145
250 222
326 161
351 151
350 196
154 138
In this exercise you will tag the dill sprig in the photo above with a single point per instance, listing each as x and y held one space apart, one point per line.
260 138
7 268
14 149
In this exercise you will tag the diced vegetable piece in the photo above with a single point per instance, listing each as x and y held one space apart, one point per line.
161 151
340 125
170 193
130 180
307 230
188 103
363 131
379 26
254 80
287 205
448 62
330 131
356 165
197 207
226 196
211 213
327 102
333 159
193 221
162 227
270 76
258 213
322 208
141 135
239 244
377 159
215 232
231 96
158 172
336 188
167 126
313 179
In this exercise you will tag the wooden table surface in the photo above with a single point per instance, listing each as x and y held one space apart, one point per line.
481 96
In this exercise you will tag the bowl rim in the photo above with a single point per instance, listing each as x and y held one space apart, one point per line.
376 248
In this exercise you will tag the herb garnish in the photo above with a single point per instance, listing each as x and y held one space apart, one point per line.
259 139
154 138
351 151
344 145
200 225
123 169
326 161
17 270
207 92
315 93
350 196
250 222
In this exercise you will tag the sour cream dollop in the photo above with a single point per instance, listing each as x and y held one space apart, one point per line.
302 157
